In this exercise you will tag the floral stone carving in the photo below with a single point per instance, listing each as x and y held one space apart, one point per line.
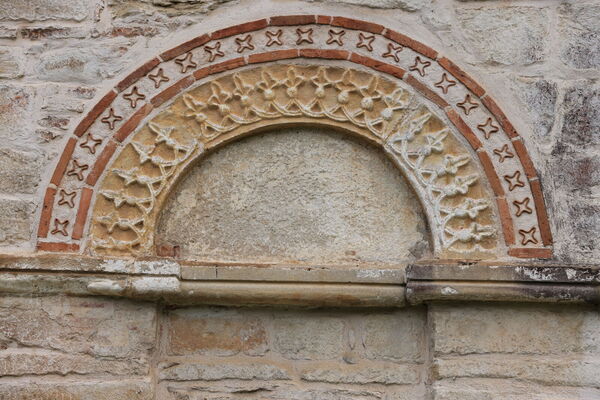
440 168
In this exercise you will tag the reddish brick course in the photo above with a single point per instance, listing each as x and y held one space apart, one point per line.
462 76
378 65
463 128
95 113
215 69
530 252
58 246
185 47
65 157
273 56
411 43
326 54
286 20
242 28
540 209
506 221
524 157
132 123
137 74
172 91
101 162
324 19
357 24
499 114
492 176
425 91
84 205
46 212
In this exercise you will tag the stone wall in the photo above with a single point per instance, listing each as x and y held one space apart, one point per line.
539 58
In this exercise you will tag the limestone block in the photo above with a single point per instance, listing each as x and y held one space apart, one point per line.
43 10
94 326
515 329
94 390
506 35
581 126
11 64
222 333
309 336
20 171
406 5
303 194
580 29
558 371
16 110
362 373
213 371
16 219
538 97
397 336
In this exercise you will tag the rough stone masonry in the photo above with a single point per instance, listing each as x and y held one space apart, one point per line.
297 261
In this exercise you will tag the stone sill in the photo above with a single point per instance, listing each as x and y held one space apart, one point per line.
185 283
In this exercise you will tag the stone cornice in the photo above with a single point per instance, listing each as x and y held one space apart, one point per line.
175 282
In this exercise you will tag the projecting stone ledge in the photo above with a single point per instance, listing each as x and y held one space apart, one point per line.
175 282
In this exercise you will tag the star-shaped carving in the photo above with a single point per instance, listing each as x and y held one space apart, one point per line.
214 51
60 227
134 96
274 38
244 43
111 119
77 170
365 41
67 198
392 51
420 66
304 35
467 104
488 128
158 78
514 180
445 83
528 236
523 206
503 153
91 143
336 37
186 62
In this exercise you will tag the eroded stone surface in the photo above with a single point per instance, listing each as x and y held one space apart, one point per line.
42 10
580 28
299 194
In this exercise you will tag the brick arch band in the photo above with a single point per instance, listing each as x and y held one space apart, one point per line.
343 50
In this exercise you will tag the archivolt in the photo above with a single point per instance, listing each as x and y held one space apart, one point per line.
144 163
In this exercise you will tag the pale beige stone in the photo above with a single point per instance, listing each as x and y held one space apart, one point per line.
42 10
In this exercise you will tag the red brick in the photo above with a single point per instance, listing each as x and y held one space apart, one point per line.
490 172
326 54
133 122
500 116
461 76
65 157
46 212
411 43
167 250
540 209
84 205
525 159
378 65
172 91
137 74
94 113
425 91
273 56
323 19
506 221
530 252
101 162
215 69
242 28
58 246
463 128
185 47
285 20
357 24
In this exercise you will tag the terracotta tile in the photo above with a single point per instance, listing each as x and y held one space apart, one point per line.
65 157
46 215
82 212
